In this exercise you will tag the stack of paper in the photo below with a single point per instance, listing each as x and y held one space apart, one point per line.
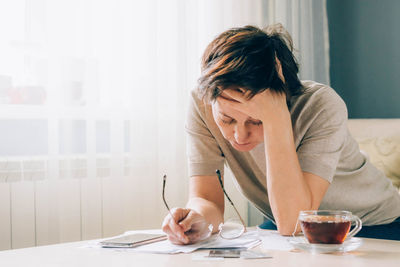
247 240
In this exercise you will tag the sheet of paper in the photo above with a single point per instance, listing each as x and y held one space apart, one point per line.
247 240
272 240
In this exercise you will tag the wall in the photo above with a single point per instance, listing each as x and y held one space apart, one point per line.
365 56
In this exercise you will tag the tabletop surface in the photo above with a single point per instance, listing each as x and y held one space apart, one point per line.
373 252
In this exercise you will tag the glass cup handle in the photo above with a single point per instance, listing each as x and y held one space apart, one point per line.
357 228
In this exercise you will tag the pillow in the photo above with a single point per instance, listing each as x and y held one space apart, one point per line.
380 139
384 153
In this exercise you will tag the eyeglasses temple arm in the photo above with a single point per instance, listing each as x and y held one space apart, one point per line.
230 201
163 196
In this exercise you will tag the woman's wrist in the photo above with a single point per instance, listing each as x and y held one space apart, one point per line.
207 209
278 122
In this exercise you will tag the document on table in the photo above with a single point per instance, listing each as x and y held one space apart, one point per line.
272 240
246 241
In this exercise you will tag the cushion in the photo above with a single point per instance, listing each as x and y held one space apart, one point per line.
380 140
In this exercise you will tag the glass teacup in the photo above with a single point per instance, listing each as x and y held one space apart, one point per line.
328 226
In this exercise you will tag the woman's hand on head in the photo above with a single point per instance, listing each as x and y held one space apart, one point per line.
186 226
265 106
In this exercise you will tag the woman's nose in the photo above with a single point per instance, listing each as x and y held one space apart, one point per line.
241 134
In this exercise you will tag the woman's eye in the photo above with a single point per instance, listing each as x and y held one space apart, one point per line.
227 122
257 123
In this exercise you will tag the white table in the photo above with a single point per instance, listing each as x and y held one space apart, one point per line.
373 252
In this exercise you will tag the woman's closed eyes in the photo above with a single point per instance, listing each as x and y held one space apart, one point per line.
232 121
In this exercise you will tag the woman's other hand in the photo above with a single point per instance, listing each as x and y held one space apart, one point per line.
268 106
186 226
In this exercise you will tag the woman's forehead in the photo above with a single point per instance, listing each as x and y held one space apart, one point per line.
219 107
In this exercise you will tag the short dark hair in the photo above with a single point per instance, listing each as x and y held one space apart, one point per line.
246 57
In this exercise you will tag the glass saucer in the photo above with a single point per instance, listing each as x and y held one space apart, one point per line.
348 245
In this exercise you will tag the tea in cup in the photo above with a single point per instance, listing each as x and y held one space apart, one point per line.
328 226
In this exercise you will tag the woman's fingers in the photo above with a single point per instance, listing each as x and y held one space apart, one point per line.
172 229
186 226
175 240
167 228
178 231
196 228
236 95
188 221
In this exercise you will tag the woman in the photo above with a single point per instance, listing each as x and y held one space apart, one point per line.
285 140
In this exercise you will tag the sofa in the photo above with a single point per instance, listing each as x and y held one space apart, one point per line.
380 140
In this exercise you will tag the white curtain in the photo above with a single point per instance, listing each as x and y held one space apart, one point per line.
92 106
306 21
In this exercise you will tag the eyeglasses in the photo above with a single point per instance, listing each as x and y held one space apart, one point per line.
231 228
